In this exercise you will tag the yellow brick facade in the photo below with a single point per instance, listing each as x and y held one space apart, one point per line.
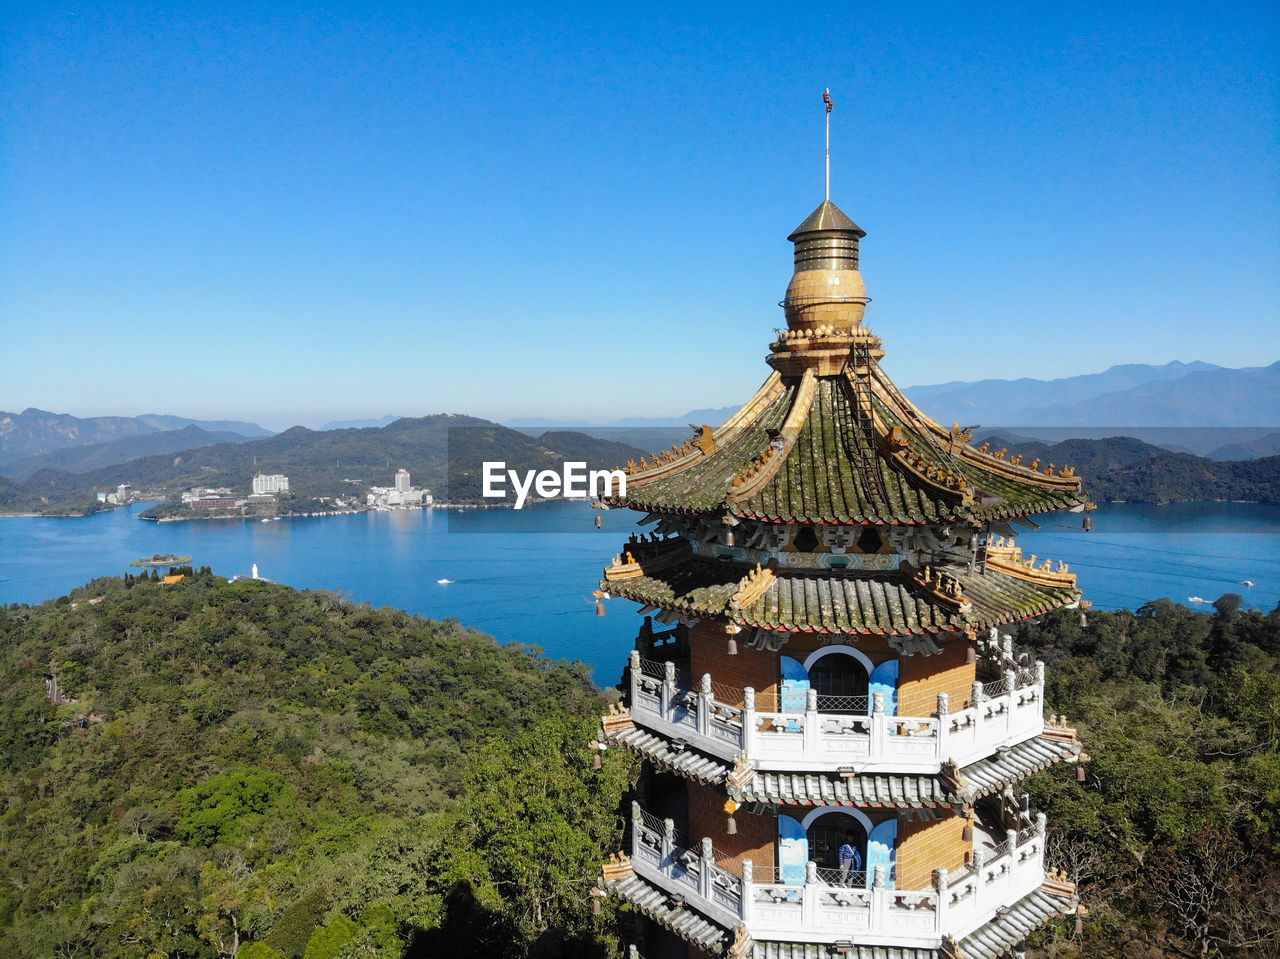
922 678
926 846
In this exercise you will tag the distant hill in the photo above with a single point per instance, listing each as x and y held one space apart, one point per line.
1173 395
33 432
164 422
1268 445
83 459
333 462
1123 468
713 416
359 424
648 433
1014 396
1201 398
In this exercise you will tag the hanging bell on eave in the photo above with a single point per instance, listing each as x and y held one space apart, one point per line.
733 647
599 608
1087 524
1084 619
599 525
731 824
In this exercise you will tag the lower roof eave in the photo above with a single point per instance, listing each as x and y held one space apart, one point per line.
657 749
1001 935
685 921
862 791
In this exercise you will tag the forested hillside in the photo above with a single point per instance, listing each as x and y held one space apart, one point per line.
1174 836
244 769
244 763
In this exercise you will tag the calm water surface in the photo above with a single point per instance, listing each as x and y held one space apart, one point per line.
528 576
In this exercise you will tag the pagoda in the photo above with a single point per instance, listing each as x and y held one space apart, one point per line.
823 580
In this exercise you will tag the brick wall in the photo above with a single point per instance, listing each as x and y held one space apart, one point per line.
708 645
926 846
755 839
922 678
875 648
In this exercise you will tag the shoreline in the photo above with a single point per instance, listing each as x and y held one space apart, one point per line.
510 506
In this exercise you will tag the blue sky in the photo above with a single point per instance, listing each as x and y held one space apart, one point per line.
293 213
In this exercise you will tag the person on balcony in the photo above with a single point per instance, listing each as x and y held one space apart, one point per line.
850 860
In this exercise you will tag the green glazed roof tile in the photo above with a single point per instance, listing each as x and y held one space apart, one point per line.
823 476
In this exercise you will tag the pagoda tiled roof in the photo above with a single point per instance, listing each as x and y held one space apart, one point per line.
882 603
865 790
982 778
799 453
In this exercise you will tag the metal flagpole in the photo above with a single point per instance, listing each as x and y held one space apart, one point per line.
826 99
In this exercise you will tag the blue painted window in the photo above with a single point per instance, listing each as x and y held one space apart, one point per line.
884 679
882 851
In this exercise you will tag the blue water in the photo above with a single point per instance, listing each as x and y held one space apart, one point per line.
528 576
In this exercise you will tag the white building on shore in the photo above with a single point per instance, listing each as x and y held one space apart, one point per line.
403 495
270 484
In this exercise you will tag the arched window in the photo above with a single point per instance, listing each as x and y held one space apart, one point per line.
841 683
826 835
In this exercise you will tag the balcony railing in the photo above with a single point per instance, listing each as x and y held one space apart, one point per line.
822 910
727 723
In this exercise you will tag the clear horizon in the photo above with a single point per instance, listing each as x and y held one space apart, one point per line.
301 215
533 420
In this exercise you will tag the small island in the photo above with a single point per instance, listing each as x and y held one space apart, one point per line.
162 559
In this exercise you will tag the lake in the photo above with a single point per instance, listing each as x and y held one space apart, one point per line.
527 576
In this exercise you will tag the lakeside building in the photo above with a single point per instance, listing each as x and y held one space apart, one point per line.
204 492
123 495
403 494
824 577
270 484
215 501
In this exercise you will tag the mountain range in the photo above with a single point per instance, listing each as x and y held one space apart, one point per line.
1195 408
36 432
442 452
1173 395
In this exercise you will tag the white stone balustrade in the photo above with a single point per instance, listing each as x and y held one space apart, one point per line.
692 876
1000 715
817 911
